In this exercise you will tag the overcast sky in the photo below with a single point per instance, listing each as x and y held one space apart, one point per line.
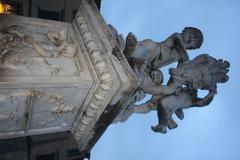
209 133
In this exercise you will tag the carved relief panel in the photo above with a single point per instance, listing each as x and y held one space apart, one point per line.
13 104
44 78
26 48
54 108
73 75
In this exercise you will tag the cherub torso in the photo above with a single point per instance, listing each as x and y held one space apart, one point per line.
157 55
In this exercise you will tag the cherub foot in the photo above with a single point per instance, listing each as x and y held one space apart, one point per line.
172 124
131 43
131 39
159 128
180 114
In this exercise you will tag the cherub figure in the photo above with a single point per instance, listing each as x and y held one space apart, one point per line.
146 56
151 84
155 55
150 80
203 72
175 103
167 105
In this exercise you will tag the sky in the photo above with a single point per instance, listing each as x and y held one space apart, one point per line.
209 133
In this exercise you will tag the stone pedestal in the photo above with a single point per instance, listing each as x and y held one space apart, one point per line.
58 76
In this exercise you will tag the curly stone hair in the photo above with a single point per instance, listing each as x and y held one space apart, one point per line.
196 34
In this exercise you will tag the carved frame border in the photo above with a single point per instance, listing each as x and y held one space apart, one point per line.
108 81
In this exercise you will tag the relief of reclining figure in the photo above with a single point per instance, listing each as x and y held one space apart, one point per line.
20 48
17 36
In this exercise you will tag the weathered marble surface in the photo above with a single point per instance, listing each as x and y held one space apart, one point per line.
44 78
61 77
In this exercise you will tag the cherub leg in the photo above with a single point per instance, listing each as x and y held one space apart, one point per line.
139 109
144 108
162 120
171 123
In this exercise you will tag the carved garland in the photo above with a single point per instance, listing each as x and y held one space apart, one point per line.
105 76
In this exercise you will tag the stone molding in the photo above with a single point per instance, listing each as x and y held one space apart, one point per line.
103 73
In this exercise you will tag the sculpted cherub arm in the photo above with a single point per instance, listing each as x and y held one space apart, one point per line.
201 102
177 44
139 109
144 108
147 106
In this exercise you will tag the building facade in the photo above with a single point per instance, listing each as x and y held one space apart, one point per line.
60 10
57 146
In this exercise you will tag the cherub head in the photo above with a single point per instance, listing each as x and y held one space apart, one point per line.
156 76
192 38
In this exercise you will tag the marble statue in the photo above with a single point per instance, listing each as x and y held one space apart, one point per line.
146 59
203 72
168 105
159 54
149 55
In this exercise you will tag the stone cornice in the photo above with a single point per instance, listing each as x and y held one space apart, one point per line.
115 81
103 73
